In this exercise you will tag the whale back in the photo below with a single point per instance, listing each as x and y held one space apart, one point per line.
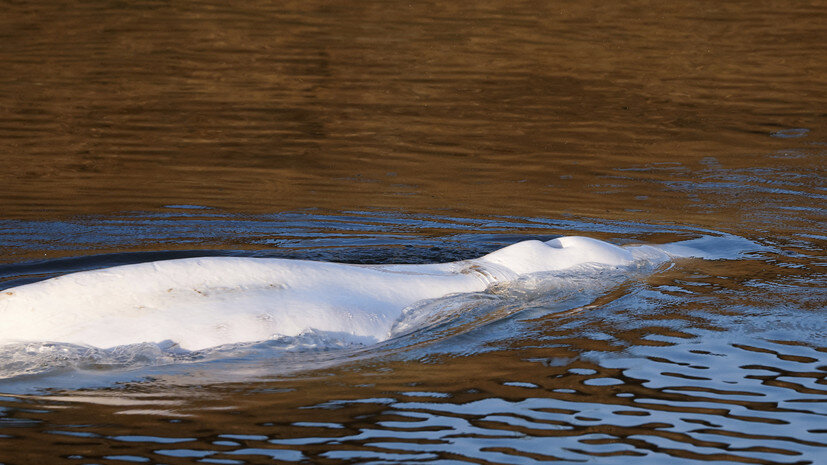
205 302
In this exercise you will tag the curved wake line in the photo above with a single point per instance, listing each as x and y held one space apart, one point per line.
198 303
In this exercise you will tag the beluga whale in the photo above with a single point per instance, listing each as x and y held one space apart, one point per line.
199 303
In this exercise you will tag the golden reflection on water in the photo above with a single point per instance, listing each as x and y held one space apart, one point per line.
455 407
493 108
707 115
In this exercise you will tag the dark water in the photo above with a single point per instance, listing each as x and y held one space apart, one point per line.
369 132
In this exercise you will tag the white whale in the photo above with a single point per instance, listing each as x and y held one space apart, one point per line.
199 303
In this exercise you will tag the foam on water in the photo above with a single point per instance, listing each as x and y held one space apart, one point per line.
160 312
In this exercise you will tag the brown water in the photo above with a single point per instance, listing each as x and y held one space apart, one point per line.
374 132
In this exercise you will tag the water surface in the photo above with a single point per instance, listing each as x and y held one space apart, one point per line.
419 133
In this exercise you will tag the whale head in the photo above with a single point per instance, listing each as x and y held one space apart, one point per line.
563 252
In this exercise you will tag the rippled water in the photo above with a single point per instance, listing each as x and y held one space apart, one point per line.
420 133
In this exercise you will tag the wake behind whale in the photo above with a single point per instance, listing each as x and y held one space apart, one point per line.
199 303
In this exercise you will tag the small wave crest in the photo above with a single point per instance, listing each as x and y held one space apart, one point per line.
33 359
36 358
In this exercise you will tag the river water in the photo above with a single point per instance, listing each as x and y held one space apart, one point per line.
373 132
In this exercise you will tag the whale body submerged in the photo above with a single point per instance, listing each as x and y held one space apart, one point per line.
199 303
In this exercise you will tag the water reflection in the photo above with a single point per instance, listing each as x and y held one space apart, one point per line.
689 363
488 108
141 130
682 366
695 399
685 364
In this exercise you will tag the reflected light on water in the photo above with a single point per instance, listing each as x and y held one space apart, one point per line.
366 133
